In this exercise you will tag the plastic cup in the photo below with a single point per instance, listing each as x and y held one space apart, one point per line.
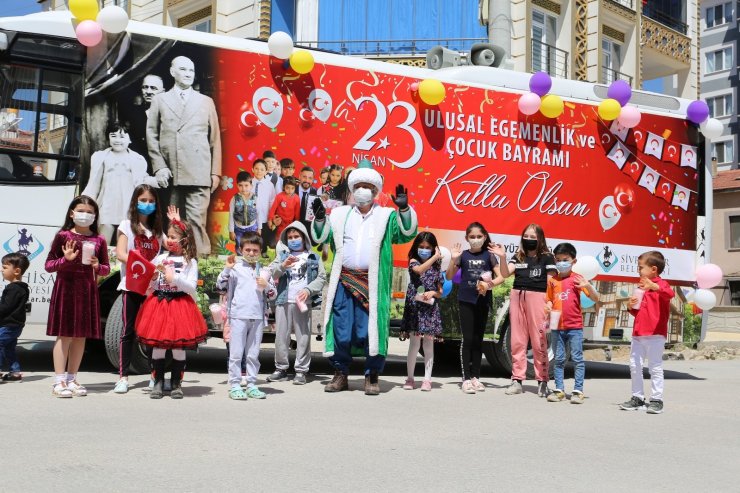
487 276
264 274
554 319
302 307
88 252
638 293
216 313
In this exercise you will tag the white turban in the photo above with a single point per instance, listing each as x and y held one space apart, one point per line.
365 175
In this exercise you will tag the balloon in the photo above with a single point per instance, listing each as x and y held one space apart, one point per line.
629 117
446 288
705 299
712 128
446 257
609 109
708 276
268 106
529 103
320 104
609 215
697 112
586 302
624 197
112 19
540 83
457 277
587 267
551 106
431 91
619 90
84 10
301 61
688 293
414 86
89 33
248 120
280 45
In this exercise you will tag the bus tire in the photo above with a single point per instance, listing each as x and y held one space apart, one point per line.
505 353
112 339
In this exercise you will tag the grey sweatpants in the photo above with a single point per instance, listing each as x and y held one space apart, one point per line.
244 334
289 319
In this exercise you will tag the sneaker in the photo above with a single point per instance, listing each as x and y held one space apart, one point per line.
157 390
409 384
278 376
299 379
655 407
176 392
479 387
577 397
121 386
255 393
61 390
12 377
426 386
634 404
467 387
77 389
556 396
542 389
514 388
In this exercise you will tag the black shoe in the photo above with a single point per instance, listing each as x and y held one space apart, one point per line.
634 404
655 407
178 370
158 389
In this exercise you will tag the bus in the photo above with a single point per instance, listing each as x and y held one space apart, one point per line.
613 192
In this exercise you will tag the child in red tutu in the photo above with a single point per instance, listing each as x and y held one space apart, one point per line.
169 318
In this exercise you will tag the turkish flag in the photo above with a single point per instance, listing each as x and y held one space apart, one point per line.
139 272
665 190
633 169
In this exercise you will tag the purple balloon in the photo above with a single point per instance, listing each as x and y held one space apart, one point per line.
457 277
540 83
621 91
697 112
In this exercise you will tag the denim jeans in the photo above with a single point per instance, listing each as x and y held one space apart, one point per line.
8 341
573 337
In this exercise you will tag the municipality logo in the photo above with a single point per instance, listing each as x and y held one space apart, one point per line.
607 259
24 243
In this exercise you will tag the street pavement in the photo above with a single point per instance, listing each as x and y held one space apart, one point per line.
302 439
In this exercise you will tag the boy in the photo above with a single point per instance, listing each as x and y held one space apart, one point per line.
243 215
264 190
12 313
564 295
286 208
301 277
246 300
649 332
273 167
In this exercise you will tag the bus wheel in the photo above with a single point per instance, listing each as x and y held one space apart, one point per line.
505 354
112 339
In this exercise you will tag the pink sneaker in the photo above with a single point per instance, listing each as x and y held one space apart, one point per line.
409 385
479 387
467 387
426 386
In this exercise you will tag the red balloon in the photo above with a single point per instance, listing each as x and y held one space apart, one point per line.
248 120
624 197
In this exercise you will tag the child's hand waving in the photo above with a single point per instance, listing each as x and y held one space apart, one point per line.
173 213
456 251
230 261
70 251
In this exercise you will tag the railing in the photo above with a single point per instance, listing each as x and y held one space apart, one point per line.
665 18
392 47
547 58
609 75
630 4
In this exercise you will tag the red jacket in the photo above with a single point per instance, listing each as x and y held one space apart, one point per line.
288 208
652 317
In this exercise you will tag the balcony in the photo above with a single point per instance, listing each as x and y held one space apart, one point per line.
548 58
380 48
609 75
668 20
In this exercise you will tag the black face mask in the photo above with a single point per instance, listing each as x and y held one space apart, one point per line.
529 245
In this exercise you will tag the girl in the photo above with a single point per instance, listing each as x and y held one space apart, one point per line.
421 320
74 310
142 231
531 265
335 188
480 273
169 318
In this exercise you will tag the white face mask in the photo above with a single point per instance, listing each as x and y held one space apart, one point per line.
83 219
476 242
363 196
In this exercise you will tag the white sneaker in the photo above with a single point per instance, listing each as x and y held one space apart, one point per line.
477 385
121 386
77 389
514 388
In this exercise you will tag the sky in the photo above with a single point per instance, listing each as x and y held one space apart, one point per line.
9 8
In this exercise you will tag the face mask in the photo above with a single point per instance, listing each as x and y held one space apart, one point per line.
424 253
476 242
174 246
251 259
146 208
529 245
83 219
363 196
295 244
563 266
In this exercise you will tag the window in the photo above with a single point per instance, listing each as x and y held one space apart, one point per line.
719 60
200 20
734 293
723 151
719 14
611 60
607 287
589 319
720 106
624 318
544 36
734 232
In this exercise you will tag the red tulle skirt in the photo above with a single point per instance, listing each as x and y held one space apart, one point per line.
172 322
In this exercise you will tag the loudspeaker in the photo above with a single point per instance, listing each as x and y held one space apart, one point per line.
440 57
486 54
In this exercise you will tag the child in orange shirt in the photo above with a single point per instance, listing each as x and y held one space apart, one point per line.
286 208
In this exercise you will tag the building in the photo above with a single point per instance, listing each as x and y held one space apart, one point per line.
719 78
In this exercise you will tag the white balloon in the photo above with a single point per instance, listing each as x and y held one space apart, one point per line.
446 257
280 45
712 128
320 103
705 299
688 293
609 215
112 19
268 106
586 266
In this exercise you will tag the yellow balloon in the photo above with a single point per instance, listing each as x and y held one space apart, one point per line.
84 10
431 91
551 106
301 61
609 109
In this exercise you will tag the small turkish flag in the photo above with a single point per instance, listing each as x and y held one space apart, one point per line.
633 169
139 272
665 190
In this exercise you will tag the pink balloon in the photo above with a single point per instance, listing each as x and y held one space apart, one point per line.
89 33
529 103
414 86
708 276
629 117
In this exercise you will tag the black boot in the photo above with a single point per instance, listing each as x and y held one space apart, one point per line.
158 390
178 370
